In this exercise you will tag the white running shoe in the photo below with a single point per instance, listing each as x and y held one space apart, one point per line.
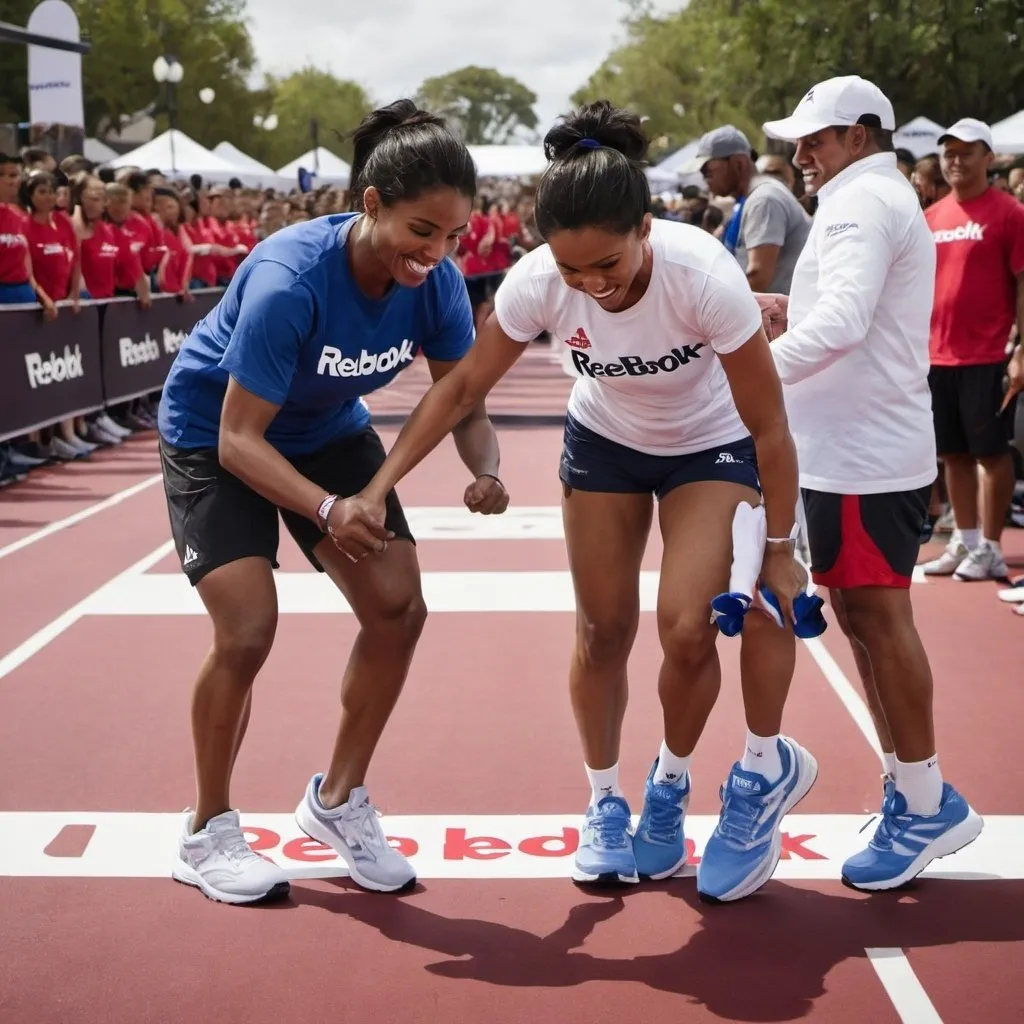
1014 594
223 866
984 563
949 561
353 831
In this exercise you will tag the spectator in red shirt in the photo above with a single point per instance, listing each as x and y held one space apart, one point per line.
16 282
175 271
96 239
979 293
129 277
222 233
53 247
141 224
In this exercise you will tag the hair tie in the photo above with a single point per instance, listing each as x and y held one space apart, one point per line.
589 144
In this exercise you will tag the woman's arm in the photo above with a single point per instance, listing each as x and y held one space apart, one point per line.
448 402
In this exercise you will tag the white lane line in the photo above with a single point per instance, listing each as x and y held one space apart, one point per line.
845 691
78 517
35 643
903 986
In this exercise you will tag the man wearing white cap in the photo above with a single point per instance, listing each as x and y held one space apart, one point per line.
854 362
979 295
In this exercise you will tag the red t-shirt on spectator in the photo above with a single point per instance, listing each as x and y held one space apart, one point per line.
174 273
13 245
128 264
99 260
475 262
204 268
222 233
54 250
149 235
980 251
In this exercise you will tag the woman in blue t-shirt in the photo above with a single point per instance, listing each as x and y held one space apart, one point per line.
262 413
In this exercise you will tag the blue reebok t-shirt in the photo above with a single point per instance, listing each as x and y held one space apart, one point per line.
295 329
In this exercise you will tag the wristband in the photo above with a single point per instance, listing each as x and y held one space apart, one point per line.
324 511
493 476
791 539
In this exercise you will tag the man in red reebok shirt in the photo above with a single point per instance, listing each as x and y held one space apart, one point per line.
979 295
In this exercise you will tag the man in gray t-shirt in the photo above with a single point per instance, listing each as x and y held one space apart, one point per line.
769 227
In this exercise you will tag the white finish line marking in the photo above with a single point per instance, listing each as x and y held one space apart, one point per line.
130 845
903 986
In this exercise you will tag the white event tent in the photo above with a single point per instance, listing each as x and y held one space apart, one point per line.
178 156
1008 134
332 170
263 176
920 136
513 161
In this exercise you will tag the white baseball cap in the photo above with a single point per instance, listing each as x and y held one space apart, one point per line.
836 103
968 129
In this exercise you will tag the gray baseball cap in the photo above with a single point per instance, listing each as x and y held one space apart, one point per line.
717 144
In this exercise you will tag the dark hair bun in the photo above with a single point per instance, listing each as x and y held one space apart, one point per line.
612 127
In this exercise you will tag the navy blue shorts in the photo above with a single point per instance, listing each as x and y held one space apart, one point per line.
591 462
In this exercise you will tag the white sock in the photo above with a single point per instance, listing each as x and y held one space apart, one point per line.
920 782
603 782
672 769
761 756
889 763
749 530
970 538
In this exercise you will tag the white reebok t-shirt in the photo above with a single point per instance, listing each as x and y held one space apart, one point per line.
648 377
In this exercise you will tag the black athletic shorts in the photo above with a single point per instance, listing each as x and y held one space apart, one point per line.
217 519
965 408
864 540
592 462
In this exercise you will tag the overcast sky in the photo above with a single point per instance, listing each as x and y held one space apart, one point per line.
391 46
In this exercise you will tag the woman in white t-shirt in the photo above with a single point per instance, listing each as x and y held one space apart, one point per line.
677 399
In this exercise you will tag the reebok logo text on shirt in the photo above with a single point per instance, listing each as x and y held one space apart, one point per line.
636 366
969 232
335 364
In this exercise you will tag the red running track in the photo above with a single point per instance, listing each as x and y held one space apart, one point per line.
94 687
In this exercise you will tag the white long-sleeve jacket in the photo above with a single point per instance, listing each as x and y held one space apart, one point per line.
854 360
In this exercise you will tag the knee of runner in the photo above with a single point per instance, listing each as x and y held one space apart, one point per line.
244 647
687 637
401 616
606 641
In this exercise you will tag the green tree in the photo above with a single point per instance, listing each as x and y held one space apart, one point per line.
208 37
486 105
747 61
337 105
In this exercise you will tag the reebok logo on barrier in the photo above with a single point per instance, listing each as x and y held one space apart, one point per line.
55 369
136 353
636 366
335 364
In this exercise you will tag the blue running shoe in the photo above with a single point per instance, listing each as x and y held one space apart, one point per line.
905 844
605 853
746 845
728 612
658 844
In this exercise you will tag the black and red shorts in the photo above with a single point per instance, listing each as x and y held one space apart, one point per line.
864 540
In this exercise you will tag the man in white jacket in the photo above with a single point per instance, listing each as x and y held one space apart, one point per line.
854 362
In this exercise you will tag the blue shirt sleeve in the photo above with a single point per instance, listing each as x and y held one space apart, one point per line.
275 318
454 335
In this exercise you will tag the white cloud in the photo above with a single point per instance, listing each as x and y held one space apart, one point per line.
391 46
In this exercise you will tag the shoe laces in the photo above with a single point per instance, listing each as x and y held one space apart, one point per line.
366 820
610 827
738 819
234 846
662 813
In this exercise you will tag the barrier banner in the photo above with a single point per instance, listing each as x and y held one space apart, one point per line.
139 345
48 371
